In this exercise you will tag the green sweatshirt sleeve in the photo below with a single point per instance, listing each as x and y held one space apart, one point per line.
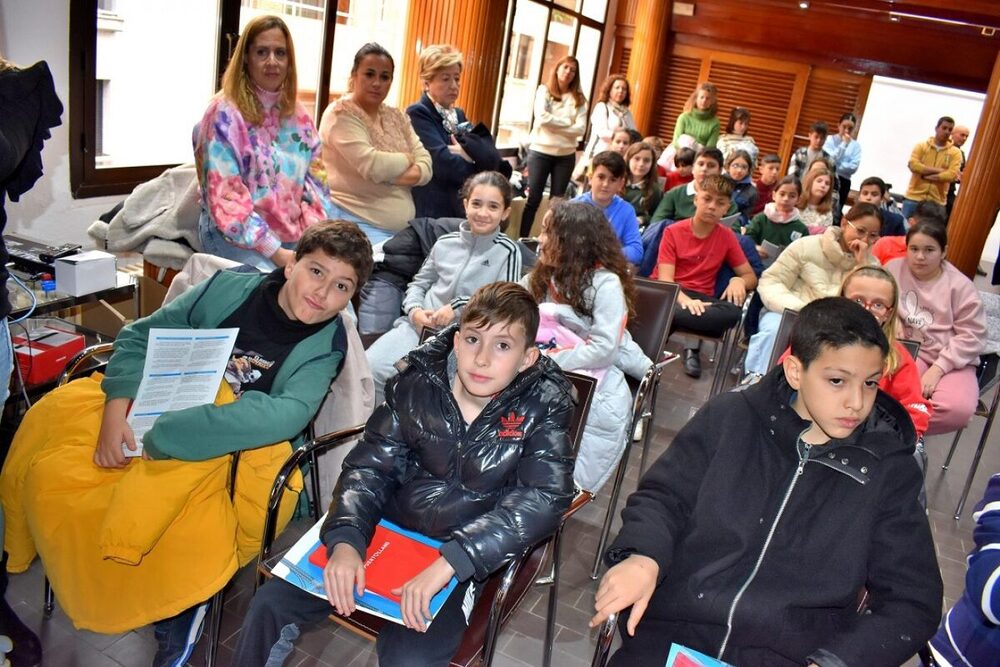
666 210
255 420
124 371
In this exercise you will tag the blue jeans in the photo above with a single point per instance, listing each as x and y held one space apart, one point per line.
375 234
214 243
762 343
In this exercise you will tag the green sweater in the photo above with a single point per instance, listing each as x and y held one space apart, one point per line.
677 204
761 229
701 125
256 419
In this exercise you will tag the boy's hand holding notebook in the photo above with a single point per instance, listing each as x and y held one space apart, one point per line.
394 557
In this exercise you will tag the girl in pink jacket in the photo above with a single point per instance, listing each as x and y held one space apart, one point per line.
941 308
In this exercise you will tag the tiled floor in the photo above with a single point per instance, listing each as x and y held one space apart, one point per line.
521 643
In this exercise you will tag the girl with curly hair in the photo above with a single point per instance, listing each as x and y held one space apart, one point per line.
585 295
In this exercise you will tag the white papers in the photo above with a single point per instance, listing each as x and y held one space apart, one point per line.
183 369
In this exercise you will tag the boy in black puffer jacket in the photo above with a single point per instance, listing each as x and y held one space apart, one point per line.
471 448
752 537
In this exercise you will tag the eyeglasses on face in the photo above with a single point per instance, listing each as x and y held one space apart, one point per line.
876 308
874 236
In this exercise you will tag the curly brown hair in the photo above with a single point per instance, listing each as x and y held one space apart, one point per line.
605 94
578 241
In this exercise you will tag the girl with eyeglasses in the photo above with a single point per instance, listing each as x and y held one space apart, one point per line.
940 308
845 151
874 289
810 268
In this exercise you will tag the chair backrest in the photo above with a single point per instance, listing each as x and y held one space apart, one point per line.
784 335
655 303
427 333
912 346
584 388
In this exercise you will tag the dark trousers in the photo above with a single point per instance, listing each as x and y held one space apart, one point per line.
279 610
844 190
540 167
715 321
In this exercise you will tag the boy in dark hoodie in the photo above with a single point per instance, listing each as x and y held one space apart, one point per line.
774 509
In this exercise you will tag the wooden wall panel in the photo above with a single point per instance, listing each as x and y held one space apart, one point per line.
850 36
675 88
829 95
767 93
476 28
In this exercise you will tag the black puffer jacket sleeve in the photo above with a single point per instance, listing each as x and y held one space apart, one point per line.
369 478
530 511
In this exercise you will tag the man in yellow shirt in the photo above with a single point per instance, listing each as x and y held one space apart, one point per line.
934 164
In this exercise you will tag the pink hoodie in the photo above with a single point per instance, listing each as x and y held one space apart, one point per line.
945 314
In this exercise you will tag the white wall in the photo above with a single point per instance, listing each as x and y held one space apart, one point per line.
898 115
33 30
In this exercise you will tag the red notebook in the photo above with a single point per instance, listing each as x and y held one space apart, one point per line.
392 559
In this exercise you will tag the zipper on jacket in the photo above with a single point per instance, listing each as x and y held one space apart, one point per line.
803 459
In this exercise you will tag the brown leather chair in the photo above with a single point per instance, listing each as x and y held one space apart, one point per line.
504 589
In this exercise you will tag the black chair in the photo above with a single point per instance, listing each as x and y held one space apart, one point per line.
988 379
725 348
650 328
504 590
783 336
912 346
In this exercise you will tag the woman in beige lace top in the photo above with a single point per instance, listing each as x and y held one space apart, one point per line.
371 153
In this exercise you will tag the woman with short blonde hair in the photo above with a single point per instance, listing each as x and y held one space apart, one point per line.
457 150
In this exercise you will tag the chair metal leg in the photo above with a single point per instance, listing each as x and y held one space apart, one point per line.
647 434
214 627
496 613
612 502
721 369
550 620
50 600
315 503
604 639
954 445
979 453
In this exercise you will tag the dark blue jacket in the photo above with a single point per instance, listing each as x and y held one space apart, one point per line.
440 198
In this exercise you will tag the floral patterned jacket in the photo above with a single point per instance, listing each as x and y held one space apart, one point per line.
261 185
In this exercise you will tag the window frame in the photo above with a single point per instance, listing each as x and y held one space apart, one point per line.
581 21
88 180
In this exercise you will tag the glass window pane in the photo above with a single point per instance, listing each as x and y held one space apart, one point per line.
522 73
588 48
156 64
568 4
304 19
363 21
595 9
562 31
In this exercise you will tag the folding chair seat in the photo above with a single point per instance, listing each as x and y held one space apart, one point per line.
650 329
504 589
